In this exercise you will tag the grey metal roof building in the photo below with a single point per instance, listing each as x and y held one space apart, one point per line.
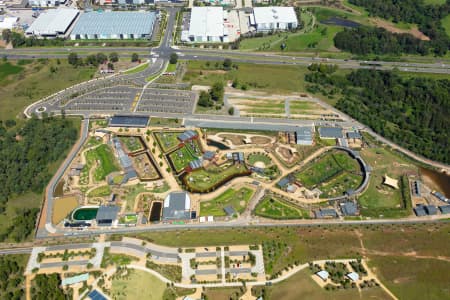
53 23
325 213
445 209
106 215
349 208
304 136
431 209
353 135
187 135
114 25
128 121
229 210
331 133
177 206
420 211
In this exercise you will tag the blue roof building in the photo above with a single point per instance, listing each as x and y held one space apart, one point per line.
445 209
349 208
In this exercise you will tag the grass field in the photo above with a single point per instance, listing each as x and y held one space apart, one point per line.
258 157
302 286
333 173
62 208
164 122
101 191
378 198
106 162
264 77
132 143
222 293
270 207
304 244
412 279
167 140
7 69
138 69
206 180
35 81
137 285
238 199
446 24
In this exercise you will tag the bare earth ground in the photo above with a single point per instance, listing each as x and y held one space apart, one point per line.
390 27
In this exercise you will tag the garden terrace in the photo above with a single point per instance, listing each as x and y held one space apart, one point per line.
237 199
274 208
207 180
167 140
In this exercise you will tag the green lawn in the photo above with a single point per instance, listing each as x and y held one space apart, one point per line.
446 24
206 180
167 140
137 285
164 122
132 143
265 77
333 173
434 2
106 162
171 68
101 191
138 69
35 81
7 69
273 208
238 199
259 157
379 198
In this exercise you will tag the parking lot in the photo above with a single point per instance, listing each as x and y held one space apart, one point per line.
117 98
167 101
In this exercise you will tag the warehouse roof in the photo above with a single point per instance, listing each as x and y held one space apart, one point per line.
274 14
206 21
331 132
53 21
107 214
304 134
349 208
115 22
445 209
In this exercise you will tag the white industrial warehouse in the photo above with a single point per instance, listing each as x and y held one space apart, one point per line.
274 18
206 25
114 25
53 23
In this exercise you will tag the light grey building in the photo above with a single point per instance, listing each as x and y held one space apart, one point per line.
53 23
177 206
304 136
331 133
114 25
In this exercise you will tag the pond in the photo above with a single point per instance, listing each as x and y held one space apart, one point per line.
155 214
85 213
441 180
218 145
340 22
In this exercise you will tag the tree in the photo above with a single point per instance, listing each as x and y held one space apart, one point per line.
114 57
227 63
173 58
110 66
205 99
101 58
231 111
217 92
73 59
6 35
134 57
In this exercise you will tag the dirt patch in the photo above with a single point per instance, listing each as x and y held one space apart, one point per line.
390 27
260 140
236 139
62 207
260 164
